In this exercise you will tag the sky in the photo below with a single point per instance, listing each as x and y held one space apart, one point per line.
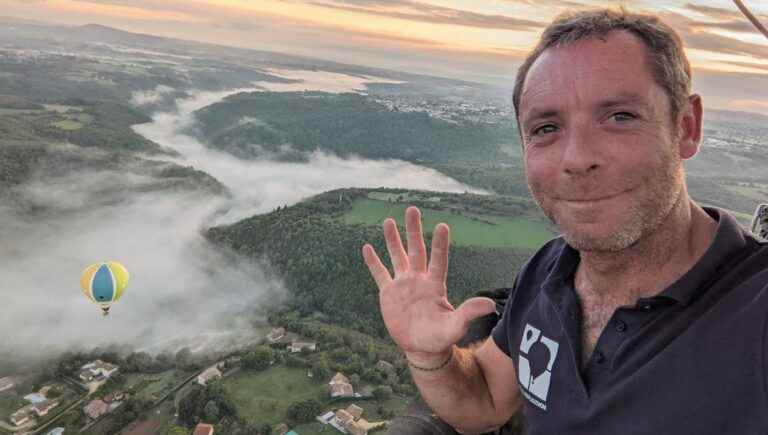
478 40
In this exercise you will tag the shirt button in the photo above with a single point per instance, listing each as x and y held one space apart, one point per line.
599 357
621 326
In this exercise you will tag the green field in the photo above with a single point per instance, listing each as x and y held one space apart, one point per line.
264 397
61 108
756 191
6 111
466 228
68 124
314 428
395 404
153 386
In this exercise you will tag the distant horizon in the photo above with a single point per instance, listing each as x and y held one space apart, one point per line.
477 41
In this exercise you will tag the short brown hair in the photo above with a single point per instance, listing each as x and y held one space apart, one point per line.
666 58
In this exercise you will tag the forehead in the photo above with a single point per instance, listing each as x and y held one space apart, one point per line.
590 70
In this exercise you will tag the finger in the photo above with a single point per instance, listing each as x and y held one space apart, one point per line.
395 247
417 251
438 263
475 307
378 271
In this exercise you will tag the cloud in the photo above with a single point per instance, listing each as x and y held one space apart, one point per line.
759 66
421 12
403 9
720 88
179 285
732 25
723 44
756 106
555 3
241 23
142 98
726 19
697 36
716 13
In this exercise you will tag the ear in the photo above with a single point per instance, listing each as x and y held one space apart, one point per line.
689 126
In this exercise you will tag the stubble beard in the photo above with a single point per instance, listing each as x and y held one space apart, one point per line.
663 190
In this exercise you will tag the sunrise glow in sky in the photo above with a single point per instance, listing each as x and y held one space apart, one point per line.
479 40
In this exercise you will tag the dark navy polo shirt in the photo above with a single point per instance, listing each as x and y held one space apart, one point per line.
690 360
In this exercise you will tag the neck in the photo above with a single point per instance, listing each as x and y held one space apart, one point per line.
655 261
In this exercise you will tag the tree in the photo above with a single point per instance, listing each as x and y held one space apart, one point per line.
183 358
138 362
383 393
374 376
190 405
304 411
164 361
321 369
259 358
211 411
354 378
210 403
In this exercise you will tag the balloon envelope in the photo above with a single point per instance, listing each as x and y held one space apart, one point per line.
104 283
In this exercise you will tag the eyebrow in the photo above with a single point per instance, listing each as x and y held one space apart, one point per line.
613 101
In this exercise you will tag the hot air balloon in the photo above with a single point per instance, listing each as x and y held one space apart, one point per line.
104 283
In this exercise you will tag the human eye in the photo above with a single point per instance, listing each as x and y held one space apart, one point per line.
544 129
623 116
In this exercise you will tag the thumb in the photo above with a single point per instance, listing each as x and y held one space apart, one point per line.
476 307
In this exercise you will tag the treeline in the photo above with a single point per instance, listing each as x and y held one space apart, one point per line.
108 127
502 205
321 264
506 179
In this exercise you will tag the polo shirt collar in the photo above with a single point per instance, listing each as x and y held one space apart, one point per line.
728 240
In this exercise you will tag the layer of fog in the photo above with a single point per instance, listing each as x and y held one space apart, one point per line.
141 98
262 185
179 287
320 81
182 291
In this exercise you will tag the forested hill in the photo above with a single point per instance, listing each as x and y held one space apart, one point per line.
315 246
77 136
345 124
289 125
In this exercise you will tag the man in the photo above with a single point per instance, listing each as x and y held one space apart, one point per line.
649 314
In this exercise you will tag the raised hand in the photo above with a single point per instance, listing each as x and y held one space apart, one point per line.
414 303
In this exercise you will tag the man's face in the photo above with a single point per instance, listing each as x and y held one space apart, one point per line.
601 157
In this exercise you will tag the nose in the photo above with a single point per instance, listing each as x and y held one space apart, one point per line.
581 155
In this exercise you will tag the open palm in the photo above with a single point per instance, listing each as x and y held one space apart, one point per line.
414 304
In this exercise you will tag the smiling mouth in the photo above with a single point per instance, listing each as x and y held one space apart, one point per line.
596 199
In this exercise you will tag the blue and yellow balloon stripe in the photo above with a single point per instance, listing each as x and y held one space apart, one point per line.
104 283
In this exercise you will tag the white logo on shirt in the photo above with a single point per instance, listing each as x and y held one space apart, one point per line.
538 385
